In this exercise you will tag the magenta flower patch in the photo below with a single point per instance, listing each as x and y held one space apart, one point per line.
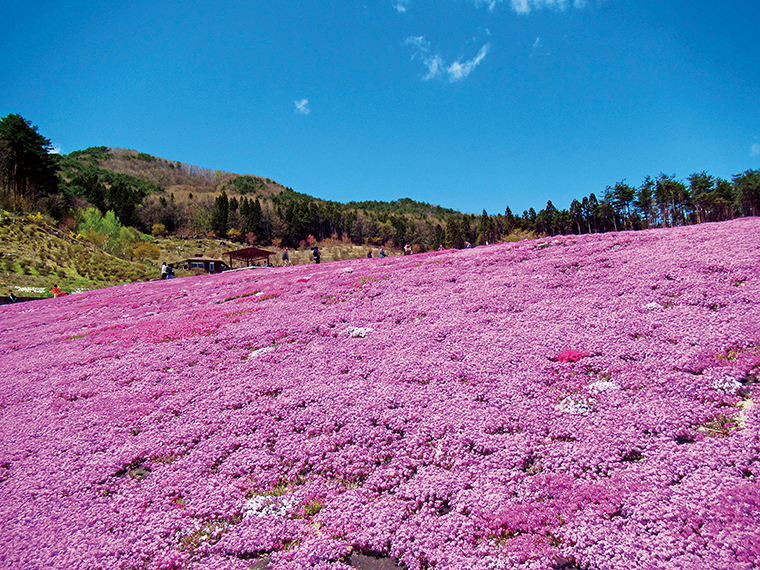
572 355
578 402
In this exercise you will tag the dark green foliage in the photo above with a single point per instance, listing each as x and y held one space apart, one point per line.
88 185
454 236
92 155
123 198
108 190
440 236
644 201
402 206
220 215
288 194
254 221
748 192
27 166
108 177
247 184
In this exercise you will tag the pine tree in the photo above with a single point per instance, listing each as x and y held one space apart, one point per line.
27 166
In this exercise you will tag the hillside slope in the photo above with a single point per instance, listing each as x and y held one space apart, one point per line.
181 179
35 256
578 402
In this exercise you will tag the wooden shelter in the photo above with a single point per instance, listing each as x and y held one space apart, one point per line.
249 255
205 263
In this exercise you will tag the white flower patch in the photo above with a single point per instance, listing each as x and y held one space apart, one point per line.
268 506
603 386
262 350
726 384
546 244
31 289
652 306
498 564
576 404
357 332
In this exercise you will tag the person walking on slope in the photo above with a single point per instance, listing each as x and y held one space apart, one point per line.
286 257
382 253
316 254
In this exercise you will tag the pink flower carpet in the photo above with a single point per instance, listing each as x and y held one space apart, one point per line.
578 402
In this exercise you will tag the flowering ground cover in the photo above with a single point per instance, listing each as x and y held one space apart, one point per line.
573 402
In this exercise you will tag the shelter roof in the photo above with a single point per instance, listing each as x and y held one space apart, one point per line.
249 254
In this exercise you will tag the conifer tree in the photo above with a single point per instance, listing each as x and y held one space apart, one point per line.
27 166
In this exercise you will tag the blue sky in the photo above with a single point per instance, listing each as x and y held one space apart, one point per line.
470 104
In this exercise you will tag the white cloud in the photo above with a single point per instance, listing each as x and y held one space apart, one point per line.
526 6
302 106
490 3
419 42
538 48
458 70
421 46
521 6
401 6
755 150
436 67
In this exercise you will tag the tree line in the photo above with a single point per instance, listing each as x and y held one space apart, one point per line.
74 189
663 201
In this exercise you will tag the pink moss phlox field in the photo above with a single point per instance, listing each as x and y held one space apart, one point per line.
576 402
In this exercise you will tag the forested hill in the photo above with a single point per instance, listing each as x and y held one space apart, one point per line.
149 192
158 173
163 174
102 190
146 191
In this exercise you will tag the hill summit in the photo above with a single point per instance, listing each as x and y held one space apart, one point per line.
572 402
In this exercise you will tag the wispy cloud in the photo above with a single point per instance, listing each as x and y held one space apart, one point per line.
459 70
421 50
755 150
420 44
519 6
538 48
401 5
526 6
491 4
302 106
436 66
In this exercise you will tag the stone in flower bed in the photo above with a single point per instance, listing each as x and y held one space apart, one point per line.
590 403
